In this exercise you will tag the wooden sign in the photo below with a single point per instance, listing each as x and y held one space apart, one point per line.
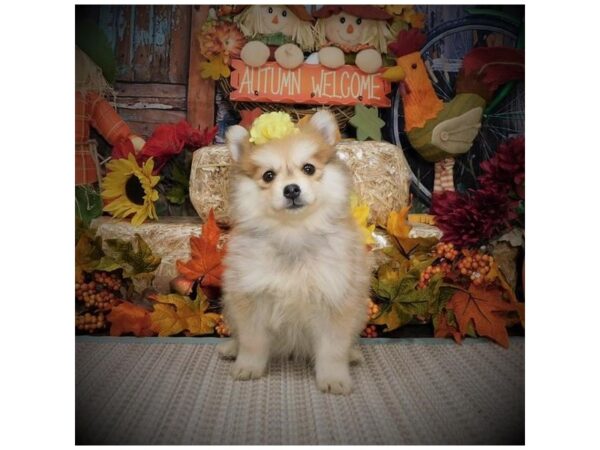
310 84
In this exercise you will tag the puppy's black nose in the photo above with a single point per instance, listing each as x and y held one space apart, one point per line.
291 191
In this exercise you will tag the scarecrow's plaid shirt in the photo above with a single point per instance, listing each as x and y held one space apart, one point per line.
93 110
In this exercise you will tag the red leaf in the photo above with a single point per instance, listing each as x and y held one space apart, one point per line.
484 307
206 263
444 329
129 318
497 65
194 138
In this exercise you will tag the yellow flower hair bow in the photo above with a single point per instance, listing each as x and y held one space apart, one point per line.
273 125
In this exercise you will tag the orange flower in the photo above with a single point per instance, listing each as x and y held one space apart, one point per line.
224 39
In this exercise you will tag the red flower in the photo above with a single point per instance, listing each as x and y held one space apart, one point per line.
122 149
472 219
483 214
167 140
506 169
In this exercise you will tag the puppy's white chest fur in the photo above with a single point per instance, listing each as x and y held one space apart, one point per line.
292 274
295 284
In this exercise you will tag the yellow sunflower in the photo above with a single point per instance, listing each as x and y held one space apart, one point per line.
130 189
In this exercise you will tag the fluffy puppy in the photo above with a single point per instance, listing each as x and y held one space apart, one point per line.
297 277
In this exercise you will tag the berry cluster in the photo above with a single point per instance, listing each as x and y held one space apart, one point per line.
370 331
90 322
475 265
100 292
221 328
447 251
443 268
373 310
111 280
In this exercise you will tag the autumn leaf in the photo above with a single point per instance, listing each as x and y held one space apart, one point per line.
360 213
443 329
134 260
396 286
392 318
214 68
406 248
88 253
175 313
249 116
206 263
483 307
519 306
129 318
397 223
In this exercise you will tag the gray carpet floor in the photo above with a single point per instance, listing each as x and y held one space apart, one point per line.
410 391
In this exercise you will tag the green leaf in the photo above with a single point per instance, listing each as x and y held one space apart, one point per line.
88 251
134 260
88 203
107 264
176 194
179 175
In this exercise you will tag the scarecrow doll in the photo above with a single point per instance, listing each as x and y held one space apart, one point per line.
93 110
282 33
352 34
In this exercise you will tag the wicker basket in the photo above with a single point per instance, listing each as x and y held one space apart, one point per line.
342 113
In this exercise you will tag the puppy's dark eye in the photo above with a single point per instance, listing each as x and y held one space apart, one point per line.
342 20
358 21
270 10
414 65
268 176
308 169
284 13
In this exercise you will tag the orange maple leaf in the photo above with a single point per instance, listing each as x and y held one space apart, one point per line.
444 329
484 306
248 117
206 263
130 318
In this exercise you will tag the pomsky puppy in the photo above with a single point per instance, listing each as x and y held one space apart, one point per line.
296 281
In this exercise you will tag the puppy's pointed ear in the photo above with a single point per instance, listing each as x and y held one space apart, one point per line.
237 141
324 123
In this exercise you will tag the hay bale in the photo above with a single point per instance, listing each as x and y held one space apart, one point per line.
380 172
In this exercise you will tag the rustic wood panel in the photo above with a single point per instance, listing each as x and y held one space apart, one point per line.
151 96
107 21
152 49
179 54
152 116
151 42
161 19
201 92
176 104
143 122
125 17
150 90
142 43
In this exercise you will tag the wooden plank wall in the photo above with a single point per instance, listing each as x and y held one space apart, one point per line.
152 48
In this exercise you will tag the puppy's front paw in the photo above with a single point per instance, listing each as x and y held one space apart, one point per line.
356 356
245 371
335 382
228 349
